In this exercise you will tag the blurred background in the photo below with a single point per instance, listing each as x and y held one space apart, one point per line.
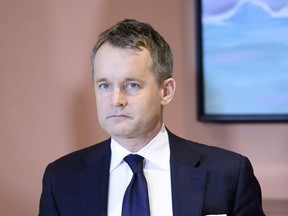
47 105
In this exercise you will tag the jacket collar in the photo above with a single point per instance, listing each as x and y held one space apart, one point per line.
188 181
93 180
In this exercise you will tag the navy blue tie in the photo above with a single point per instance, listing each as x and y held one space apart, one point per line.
136 201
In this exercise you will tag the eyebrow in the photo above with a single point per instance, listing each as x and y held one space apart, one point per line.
125 80
100 80
134 79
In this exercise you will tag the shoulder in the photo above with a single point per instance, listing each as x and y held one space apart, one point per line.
229 176
208 156
222 165
80 157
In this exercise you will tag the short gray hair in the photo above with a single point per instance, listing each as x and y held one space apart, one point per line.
132 34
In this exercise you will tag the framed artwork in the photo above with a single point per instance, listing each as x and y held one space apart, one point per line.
242 60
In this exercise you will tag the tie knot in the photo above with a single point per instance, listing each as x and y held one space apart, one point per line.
135 162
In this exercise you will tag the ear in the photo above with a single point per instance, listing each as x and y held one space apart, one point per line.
168 90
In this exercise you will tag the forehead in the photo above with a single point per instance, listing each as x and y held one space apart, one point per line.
107 51
111 60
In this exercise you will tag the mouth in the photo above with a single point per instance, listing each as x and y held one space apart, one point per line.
118 116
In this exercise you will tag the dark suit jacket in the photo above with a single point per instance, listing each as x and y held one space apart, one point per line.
205 180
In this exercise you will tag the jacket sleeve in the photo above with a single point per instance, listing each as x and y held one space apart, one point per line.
48 205
248 198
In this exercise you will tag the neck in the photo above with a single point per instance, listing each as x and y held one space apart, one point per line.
134 144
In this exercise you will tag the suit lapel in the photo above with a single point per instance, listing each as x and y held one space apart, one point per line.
94 179
188 181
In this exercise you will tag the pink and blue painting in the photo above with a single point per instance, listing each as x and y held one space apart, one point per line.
245 57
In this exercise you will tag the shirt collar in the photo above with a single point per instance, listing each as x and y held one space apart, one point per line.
156 152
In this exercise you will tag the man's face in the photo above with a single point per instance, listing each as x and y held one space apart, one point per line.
127 94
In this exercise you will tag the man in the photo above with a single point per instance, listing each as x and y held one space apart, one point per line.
132 71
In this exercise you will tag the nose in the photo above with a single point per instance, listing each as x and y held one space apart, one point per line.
118 99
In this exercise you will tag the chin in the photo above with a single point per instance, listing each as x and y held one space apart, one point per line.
119 131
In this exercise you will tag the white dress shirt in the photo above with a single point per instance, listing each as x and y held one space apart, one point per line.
156 171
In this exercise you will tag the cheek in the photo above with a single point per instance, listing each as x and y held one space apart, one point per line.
150 105
101 103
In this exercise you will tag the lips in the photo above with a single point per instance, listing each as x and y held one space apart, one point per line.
118 116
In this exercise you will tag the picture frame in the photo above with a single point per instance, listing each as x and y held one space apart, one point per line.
242 61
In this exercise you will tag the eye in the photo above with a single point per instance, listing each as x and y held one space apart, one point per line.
131 85
104 86
131 88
